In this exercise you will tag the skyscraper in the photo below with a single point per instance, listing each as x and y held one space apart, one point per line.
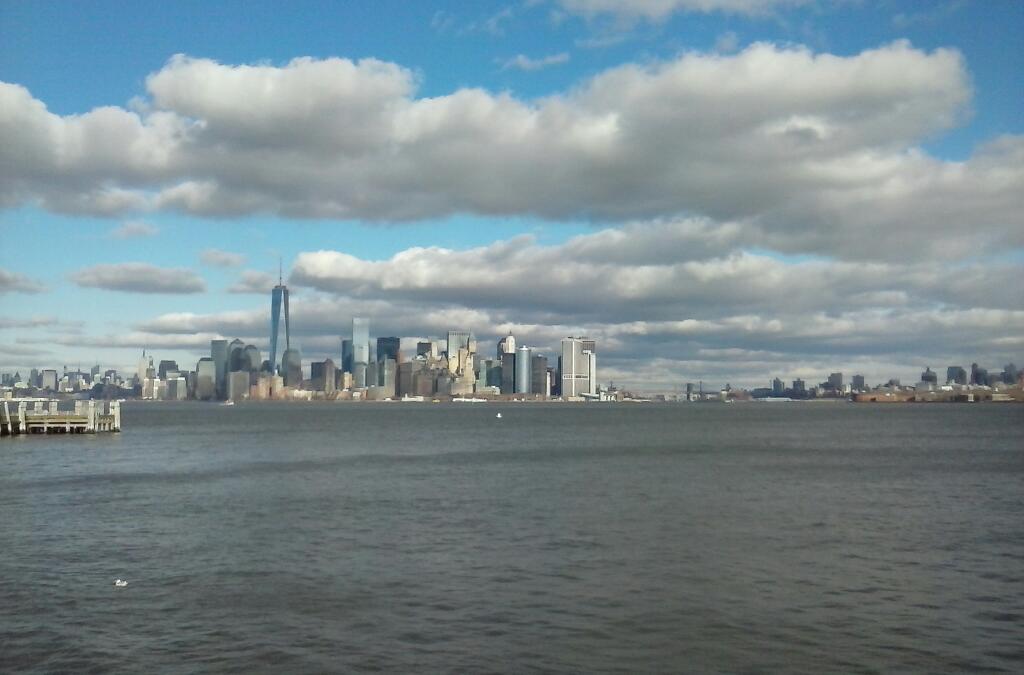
523 370
278 296
579 367
360 350
219 354
387 348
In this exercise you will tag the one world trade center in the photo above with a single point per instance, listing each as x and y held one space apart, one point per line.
278 296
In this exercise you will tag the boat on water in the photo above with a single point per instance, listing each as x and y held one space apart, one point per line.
228 403
464 399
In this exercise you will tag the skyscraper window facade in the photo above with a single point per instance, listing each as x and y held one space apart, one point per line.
278 302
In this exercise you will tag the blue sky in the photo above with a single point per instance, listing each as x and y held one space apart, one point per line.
909 104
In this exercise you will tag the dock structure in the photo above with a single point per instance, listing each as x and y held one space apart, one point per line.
44 416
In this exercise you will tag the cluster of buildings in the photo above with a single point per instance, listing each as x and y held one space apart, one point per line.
957 383
456 368
374 369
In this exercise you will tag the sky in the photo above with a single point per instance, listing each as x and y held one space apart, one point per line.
716 190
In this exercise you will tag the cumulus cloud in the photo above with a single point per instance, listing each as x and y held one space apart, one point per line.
819 151
217 258
136 277
657 10
523 62
12 282
252 281
684 294
133 229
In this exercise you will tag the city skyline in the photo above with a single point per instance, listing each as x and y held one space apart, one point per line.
735 193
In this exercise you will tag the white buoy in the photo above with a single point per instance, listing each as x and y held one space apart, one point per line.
498 416
120 583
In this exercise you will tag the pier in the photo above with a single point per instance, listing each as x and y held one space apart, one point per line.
44 416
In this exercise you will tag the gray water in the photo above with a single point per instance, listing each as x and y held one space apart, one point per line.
560 538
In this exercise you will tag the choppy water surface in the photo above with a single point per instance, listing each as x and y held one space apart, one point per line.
589 538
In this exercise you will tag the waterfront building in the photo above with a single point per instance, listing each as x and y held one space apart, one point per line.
144 369
506 345
388 377
219 354
540 382
778 388
360 350
858 383
238 385
206 379
48 379
578 367
346 355
236 353
523 370
929 376
835 382
251 359
427 348
956 375
279 302
321 375
291 364
387 348
165 367
508 373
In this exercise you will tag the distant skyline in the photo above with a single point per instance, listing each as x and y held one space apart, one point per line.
727 190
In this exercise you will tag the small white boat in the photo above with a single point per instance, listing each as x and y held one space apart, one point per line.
228 403
498 416
120 583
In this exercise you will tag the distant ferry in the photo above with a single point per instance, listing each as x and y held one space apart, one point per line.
463 399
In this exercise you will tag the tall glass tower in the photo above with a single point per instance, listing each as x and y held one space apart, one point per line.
277 296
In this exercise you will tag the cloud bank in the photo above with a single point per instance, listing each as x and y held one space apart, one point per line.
137 277
820 153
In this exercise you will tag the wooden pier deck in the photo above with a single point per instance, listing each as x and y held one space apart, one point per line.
44 416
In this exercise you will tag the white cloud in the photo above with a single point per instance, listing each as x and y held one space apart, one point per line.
657 10
523 62
252 281
217 258
133 229
819 152
135 277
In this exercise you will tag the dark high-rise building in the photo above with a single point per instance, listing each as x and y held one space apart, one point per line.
387 348
539 375
858 383
1010 374
508 373
956 375
835 381
236 356
346 355
979 375
427 348
219 354
929 376
166 367
800 387
778 387
278 301
206 379
291 367
321 375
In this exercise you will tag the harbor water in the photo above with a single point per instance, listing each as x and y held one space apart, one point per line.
599 538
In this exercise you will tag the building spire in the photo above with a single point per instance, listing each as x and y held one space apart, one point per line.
280 272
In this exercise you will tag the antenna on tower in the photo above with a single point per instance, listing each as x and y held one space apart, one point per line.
280 272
